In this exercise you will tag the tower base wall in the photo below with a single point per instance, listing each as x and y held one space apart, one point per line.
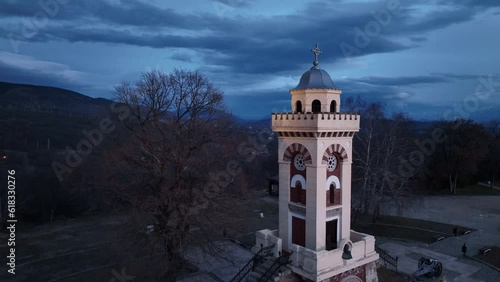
364 273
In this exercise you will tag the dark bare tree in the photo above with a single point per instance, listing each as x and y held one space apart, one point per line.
176 166
459 155
491 165
381 148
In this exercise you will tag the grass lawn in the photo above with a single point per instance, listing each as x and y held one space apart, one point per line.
407 228
400 232
471 190
476 190
492 257
388 275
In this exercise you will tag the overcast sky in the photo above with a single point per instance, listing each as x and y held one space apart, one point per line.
431 59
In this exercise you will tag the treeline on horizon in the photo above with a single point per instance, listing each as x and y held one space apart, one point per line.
395 160
33 141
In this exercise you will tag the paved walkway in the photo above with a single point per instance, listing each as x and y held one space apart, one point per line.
479 212
221 263
454 269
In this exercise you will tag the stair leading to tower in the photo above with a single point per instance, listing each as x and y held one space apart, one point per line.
260 270
270 269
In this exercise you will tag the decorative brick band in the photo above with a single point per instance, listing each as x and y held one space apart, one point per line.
315 134
294 148
334 148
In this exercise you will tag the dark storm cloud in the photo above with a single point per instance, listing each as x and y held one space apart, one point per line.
241 50
18 8
350 87
433 20
470 3
402 80
410 80
247 45
137 13
456 76
391 91
131 12
393 98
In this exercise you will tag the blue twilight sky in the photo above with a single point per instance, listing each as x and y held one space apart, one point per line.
432 59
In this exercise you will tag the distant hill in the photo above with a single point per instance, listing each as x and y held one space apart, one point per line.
33 117
52 99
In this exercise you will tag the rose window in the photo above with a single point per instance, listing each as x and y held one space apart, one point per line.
331 163
299 162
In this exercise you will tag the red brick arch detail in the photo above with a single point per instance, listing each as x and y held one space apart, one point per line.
297 148
334 148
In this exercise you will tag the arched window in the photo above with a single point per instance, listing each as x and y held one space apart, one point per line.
333 106
298 107
301 194
316 106
298 191
294 192
332 194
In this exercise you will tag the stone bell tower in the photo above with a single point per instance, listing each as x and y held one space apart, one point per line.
315 157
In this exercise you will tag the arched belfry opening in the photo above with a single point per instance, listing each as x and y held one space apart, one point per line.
316 106
298 107
333 106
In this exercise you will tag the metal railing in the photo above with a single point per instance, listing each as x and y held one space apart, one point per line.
388 259
278 263
250 265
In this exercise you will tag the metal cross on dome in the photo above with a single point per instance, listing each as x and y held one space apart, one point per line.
316 52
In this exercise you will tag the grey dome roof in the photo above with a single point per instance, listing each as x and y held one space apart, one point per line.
315 78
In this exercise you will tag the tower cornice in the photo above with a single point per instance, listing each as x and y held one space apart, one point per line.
316 122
